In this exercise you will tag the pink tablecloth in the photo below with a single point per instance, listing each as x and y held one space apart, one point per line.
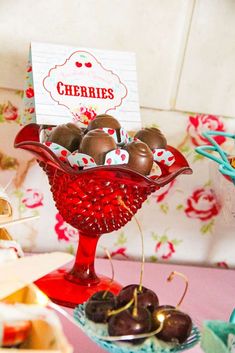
211 294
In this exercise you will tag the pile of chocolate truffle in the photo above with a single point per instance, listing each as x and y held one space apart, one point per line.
148 316
105 142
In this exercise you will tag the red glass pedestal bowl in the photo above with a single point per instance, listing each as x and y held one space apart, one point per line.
95 201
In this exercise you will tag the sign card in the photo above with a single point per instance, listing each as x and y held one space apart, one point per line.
65 84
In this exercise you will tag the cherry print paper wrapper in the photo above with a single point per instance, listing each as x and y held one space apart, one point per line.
61 152
79 160
163 156
118 156
124 137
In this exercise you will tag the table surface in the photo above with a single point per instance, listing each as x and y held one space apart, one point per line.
210 295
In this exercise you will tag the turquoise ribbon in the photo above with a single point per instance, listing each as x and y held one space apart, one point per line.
224 165
232 317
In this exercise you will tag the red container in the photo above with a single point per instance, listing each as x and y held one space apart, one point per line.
94 201
15 333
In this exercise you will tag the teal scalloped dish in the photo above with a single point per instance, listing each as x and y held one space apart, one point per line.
149 346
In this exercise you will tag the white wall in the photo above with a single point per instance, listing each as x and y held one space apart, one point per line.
185 48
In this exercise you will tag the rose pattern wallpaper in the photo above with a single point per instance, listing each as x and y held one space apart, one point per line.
182 222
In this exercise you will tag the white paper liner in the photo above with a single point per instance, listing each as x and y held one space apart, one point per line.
21 312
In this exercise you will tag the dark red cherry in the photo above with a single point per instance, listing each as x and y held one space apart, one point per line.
125 323
177 325
103 296
97 311
99 305
164 308
146 297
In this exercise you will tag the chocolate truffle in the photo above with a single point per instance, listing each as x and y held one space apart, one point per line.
105 120
152 136
68 136
96 143
140 157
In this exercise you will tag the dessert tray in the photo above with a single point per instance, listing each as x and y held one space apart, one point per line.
151 345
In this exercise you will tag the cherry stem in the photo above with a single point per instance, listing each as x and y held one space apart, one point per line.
131 337
170 278
122 203
112 277
125 307
135 309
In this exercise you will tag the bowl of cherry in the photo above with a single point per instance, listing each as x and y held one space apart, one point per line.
134 321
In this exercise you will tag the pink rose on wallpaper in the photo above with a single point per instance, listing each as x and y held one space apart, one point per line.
64 231
163 192
165 249
9 112
202 204
119 253
85 115
201 123
33 198
31 110
222 264
29 92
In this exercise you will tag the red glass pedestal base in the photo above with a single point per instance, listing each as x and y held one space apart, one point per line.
66 293
72 286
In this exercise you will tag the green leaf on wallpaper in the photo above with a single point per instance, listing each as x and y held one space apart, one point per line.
155 236
155 125
19 93
163 238
35 213
176 241
121 240
180 191
179 207
18 193
164 208
185 148
207 228
153 258
152 125
190 113
70 249
197 157
21 208
18 121
208 183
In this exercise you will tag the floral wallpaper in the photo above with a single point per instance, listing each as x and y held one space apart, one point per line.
182 222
